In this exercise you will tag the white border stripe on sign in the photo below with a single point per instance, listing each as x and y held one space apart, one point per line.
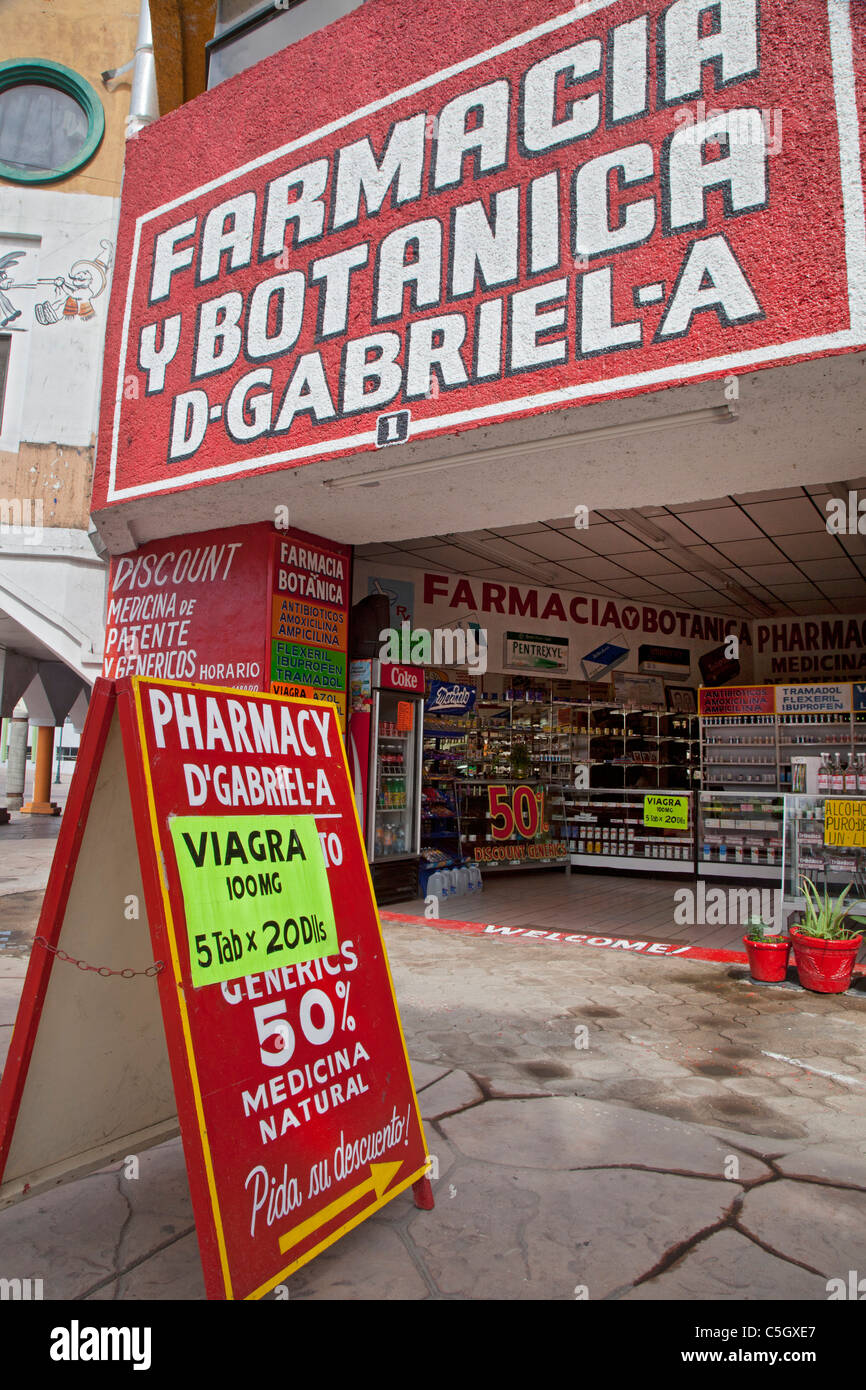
841 52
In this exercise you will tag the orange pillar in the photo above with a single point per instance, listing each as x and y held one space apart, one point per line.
42 805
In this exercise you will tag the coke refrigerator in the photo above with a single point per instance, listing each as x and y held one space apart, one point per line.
386 729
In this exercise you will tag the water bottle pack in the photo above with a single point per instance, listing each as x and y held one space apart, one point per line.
450 879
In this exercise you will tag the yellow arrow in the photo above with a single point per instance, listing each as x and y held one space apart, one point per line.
379 1180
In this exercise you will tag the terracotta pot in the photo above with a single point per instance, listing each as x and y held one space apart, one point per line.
824 966
768 960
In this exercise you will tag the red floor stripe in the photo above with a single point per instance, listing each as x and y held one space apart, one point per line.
609 943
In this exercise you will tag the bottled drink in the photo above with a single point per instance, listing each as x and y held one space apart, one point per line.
837 776
851 774
824 775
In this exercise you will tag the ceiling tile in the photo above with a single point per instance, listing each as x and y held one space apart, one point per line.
676 531
761 552
854 545
813 605
701 598
556 545
708 555
633 587
680 583
795 591
520 530
507 552
410 557
599 568
370 552
776 574
606 539
829 569
848 605
561 576
788 517
813 545
421 543
646 562
454 557
500 576
476 537
845 588
723 524
772 495
682 507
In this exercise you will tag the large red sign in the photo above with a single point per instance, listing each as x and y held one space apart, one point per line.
296 1104
310 619
192 608
737 699
610 202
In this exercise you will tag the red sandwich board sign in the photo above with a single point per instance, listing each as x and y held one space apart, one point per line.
293 1090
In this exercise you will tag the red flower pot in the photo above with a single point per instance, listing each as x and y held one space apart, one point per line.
824 966
768 960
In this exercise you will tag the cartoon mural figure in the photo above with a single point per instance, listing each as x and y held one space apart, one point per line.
83 282
8 312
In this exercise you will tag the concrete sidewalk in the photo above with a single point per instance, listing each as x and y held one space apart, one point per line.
27 842
602 1127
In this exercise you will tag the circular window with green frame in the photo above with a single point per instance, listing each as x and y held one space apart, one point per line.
51 121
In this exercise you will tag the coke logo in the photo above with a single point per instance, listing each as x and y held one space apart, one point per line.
402 678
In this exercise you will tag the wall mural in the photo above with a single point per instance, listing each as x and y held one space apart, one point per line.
73 293
7 308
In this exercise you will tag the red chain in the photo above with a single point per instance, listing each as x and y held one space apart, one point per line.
127 974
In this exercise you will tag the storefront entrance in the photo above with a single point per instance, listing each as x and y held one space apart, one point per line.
650 693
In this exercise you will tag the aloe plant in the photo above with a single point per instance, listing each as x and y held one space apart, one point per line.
825 918
759 931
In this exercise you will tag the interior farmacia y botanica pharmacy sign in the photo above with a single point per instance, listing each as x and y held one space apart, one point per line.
578 211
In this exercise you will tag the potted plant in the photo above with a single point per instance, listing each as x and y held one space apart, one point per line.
824 947
767 952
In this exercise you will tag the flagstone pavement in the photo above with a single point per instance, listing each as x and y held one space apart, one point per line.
600 1126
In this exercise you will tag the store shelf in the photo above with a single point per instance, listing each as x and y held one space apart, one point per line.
724 738
771 872
633 861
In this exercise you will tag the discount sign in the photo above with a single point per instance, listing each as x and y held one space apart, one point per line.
296 1104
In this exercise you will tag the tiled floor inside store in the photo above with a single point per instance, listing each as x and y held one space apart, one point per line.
607 903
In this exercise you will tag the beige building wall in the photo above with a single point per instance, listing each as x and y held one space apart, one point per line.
56 471
90 39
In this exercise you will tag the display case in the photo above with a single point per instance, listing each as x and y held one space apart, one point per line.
542 737
634 748
740 834
384 749
630 829
444 760
394 828
751 734
807 854
739 750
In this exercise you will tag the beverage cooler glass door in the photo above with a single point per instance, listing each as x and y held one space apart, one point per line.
394 792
